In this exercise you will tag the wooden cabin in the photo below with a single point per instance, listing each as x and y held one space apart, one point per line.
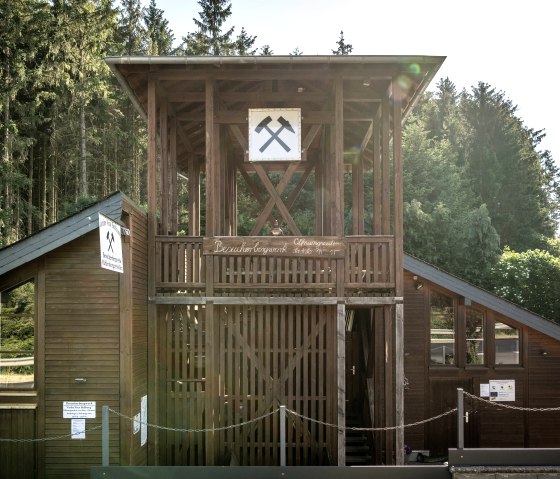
460 336
223 314
87 344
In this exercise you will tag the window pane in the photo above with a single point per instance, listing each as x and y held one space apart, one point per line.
475 336
442 329
507 344
17 338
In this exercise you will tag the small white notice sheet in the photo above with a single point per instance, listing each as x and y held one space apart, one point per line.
78 428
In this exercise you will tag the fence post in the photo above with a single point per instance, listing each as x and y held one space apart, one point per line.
460 419
283 436
105 436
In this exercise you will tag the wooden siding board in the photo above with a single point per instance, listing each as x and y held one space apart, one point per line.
71 351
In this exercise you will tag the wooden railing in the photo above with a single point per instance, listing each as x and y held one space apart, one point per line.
366 263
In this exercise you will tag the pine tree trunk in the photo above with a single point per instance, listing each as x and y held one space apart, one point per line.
30 193
83 151
44 185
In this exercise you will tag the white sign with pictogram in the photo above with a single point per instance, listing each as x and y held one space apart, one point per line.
110 244
275 134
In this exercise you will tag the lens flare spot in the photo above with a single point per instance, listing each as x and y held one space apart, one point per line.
404 82
414 68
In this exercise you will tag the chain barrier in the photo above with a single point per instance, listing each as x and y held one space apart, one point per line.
53 438
293 413
373 429
507 406
213 429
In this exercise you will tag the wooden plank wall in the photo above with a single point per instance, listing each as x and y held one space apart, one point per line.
414 361
18 459
266 356
543 390
81 341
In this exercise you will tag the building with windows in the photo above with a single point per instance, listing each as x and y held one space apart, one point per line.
314 307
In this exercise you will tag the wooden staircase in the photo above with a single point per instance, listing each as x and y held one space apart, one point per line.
357 446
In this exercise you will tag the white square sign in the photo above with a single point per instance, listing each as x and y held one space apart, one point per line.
275 134
110 244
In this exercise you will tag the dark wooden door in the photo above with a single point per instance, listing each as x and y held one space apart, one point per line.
442 433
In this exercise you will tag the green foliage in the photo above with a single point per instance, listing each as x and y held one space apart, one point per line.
160 37
343 48
444 223
530 279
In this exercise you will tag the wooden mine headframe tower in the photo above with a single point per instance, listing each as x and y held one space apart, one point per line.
240 324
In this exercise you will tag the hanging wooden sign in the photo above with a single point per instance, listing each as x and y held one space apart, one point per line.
275 134
291 246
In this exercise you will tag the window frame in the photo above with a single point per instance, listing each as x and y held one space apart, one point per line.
454 300
10 287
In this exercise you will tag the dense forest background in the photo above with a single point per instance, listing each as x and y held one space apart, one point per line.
481 197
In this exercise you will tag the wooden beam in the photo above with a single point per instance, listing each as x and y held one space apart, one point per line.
386 169
212 203
398 187
341 380
399 384
164 166
282 184
338 160
153 442
389 385
276 197
377 175
280 72
279 300
173 174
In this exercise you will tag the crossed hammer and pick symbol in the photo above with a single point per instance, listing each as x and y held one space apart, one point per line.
274 135
110 238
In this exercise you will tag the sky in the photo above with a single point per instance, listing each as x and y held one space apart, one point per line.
508 44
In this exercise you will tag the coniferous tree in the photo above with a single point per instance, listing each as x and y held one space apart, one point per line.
160 36
210 39
343 47
506 169
131 31
266 51
244 43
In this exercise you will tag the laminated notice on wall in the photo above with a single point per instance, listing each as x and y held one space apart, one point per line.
502 390
78 428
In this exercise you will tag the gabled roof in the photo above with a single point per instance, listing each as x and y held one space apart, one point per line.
481 296
60 233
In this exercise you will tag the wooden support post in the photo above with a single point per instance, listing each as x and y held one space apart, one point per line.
212 202
399 383
341 380
338 160
386 169
377 175
164 167
193 173
319 195
173 174
210 391
153 382
379 377
398 188
389 385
